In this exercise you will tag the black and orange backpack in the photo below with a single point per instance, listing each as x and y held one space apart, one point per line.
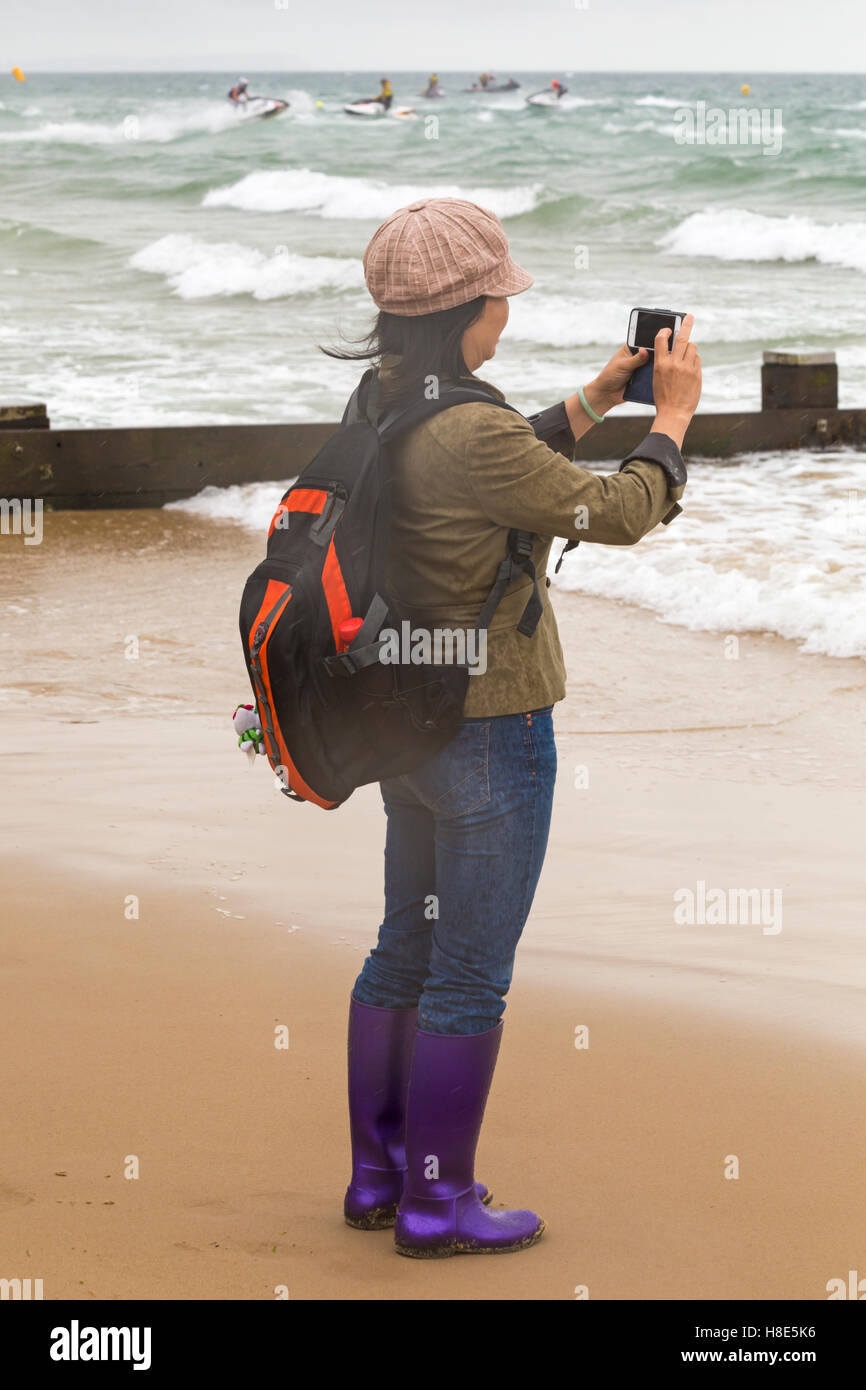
333 715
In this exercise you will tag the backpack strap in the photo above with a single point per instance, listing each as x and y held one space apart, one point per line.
569 545
363 404
517 560
366 646
398 421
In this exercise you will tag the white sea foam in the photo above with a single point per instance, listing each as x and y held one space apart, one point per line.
624 128
564 322
505 101
202 270
335 196
663 101
66 133
556 321
732 234
301 103
170 122
252 505
774 544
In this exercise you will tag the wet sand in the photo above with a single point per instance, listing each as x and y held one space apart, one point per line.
153 1036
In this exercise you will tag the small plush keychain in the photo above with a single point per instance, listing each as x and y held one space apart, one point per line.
248 728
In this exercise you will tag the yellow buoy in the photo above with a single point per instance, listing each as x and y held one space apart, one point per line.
18 75
746 89
320 105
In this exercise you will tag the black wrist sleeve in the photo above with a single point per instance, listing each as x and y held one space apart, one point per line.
552 427
661 449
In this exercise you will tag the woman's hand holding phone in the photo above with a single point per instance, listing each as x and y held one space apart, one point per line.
676 382
605 390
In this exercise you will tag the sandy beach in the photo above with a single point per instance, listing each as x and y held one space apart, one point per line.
151 1036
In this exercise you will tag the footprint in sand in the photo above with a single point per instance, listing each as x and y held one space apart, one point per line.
10 1198
213 1208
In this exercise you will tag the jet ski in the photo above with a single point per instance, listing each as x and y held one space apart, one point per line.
375 109
260 108
545 98
509 86
364 108
436 92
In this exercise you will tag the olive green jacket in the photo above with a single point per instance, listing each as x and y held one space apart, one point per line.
460 482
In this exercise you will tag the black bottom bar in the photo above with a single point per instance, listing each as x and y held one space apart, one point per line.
58 1339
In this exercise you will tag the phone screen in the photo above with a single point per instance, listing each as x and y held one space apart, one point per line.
649 322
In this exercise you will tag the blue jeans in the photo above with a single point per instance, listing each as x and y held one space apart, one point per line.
466 839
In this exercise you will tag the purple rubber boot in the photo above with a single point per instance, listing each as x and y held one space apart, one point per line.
440 1213
380 1060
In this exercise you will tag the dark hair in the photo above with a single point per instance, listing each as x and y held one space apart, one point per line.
426 344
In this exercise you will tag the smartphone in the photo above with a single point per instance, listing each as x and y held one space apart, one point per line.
643 325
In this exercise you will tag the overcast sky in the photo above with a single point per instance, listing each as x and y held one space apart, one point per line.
742 36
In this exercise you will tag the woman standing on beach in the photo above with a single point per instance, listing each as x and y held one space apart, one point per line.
467 832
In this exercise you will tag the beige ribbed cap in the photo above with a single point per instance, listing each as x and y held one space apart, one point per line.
438 253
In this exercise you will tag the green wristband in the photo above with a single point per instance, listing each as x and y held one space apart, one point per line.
581 396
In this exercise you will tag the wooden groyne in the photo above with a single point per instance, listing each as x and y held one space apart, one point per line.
100 468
